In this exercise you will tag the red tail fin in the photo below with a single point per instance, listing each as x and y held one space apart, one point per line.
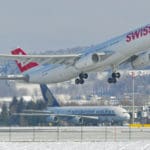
23 66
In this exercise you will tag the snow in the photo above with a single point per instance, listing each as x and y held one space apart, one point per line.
114 138
133 145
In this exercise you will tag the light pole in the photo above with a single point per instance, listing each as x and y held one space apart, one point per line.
133 96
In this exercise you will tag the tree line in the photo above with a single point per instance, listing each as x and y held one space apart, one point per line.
10 115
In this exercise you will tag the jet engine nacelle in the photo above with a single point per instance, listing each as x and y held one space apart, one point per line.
52 119
142 60
87 61
77 120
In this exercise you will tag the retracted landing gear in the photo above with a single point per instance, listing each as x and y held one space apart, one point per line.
114 77
81 78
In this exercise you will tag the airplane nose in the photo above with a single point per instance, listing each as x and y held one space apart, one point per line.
127 116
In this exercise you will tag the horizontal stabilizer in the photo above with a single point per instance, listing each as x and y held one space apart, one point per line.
14 77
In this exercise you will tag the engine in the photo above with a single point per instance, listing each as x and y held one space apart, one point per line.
142 60
77 120
87 61
52 119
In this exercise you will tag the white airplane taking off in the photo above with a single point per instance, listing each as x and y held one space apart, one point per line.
131 47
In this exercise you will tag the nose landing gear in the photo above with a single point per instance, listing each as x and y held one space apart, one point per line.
81 78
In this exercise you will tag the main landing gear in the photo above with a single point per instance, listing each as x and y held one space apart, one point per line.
114 77
81 78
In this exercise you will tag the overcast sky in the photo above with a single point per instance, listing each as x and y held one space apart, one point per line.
40 25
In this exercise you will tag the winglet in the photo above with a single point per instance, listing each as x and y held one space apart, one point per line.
48 96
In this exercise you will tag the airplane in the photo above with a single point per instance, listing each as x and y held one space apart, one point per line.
78 115
131 47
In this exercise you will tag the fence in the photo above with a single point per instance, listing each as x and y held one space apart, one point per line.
79 134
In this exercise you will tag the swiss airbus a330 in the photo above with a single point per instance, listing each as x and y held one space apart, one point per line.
131 47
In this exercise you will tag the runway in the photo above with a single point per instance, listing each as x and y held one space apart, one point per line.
73 134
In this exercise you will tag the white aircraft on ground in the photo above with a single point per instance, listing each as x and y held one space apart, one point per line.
131 47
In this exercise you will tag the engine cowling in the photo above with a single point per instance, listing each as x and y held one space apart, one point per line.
52 119
77 120
87 61
142 60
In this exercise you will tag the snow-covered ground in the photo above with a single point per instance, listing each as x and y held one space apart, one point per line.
136 145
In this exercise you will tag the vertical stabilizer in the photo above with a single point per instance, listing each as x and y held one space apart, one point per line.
23 66
48 96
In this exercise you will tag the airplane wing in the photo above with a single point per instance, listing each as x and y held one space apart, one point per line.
46 59
60 116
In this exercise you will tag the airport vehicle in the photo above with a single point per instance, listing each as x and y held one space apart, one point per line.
131 47
77 115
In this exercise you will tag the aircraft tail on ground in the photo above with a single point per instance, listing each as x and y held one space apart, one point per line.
23 66
48 96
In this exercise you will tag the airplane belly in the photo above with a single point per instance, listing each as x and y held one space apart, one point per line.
55 75
123 51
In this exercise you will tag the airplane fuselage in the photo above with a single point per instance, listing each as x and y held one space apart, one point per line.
103 113
119 48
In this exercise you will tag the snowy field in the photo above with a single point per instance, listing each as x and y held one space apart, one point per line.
74 138
137 145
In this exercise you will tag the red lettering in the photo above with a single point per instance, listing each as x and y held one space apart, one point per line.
148 27
138 34
128 38
145 31
141 33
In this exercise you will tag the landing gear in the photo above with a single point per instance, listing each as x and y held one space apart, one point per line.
79 81
83 75
112 80
81 78
114 75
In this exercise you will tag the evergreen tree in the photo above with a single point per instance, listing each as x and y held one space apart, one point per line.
14 119
31 105
20 105
13 105
40 105
4 116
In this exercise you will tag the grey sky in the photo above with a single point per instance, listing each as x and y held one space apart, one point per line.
40 25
